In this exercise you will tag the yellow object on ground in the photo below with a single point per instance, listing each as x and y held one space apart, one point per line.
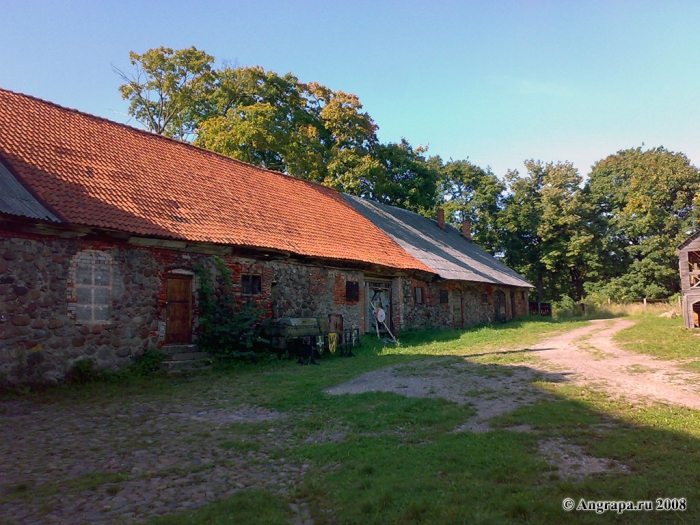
332 343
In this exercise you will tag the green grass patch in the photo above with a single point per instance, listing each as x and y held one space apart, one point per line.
660 337
249 506
91 482
240 446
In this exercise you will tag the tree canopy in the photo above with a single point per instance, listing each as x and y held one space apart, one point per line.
646 202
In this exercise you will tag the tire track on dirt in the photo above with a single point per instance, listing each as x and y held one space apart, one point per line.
591 356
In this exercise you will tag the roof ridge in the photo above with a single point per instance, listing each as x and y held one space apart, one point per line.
158 136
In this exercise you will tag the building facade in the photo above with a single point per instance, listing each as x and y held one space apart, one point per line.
104 230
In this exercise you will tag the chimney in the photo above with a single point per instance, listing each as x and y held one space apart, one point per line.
441 218
467 230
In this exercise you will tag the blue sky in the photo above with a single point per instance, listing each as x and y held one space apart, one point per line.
497 82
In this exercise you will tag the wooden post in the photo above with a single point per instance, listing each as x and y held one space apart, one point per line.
645 303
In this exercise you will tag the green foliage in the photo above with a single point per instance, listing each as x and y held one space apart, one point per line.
403 179
646 202
227 327
168 89
277 122
566 308
544 225
83 372
148 363
471 193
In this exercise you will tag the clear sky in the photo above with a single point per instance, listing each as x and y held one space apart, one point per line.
497 82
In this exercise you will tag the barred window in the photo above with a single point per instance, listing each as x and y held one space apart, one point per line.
92 286
251 284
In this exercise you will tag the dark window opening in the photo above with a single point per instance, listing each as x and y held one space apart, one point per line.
251 284
444 297
352 291
485 298
418 291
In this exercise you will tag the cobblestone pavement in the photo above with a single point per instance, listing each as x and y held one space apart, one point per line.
124 460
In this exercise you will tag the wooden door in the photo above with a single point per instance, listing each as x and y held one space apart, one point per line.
457 318
178 309
500 306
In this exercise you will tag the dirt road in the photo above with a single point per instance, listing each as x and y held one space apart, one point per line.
588 356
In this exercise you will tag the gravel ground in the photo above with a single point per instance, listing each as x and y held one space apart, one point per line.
156 458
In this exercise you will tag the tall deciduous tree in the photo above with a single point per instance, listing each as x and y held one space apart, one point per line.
168 88
471 193
277 122
646 202
546 234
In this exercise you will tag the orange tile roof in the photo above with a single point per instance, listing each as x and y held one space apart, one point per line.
94 172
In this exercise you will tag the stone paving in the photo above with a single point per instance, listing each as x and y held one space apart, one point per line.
123 461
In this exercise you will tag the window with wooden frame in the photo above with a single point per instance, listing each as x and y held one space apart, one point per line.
352 291
251 284
444 297
484 298
418 294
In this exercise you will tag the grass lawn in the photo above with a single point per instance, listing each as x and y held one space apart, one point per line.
399 461
662 337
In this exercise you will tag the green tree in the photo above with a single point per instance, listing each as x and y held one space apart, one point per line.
277 122
255 116
471 193
545 229
647 201
403 179
168 89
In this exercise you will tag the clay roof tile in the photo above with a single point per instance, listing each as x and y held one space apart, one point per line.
95 172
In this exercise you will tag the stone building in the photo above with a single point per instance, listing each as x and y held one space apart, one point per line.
472 287
102 227
689 268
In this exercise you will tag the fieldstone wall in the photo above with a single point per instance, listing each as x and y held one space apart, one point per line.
476 308
307 291
63 300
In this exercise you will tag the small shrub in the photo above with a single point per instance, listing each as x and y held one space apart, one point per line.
566 308
227 328
83 372
148 363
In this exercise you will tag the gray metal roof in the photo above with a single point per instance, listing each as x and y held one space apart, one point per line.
16 200
449 254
